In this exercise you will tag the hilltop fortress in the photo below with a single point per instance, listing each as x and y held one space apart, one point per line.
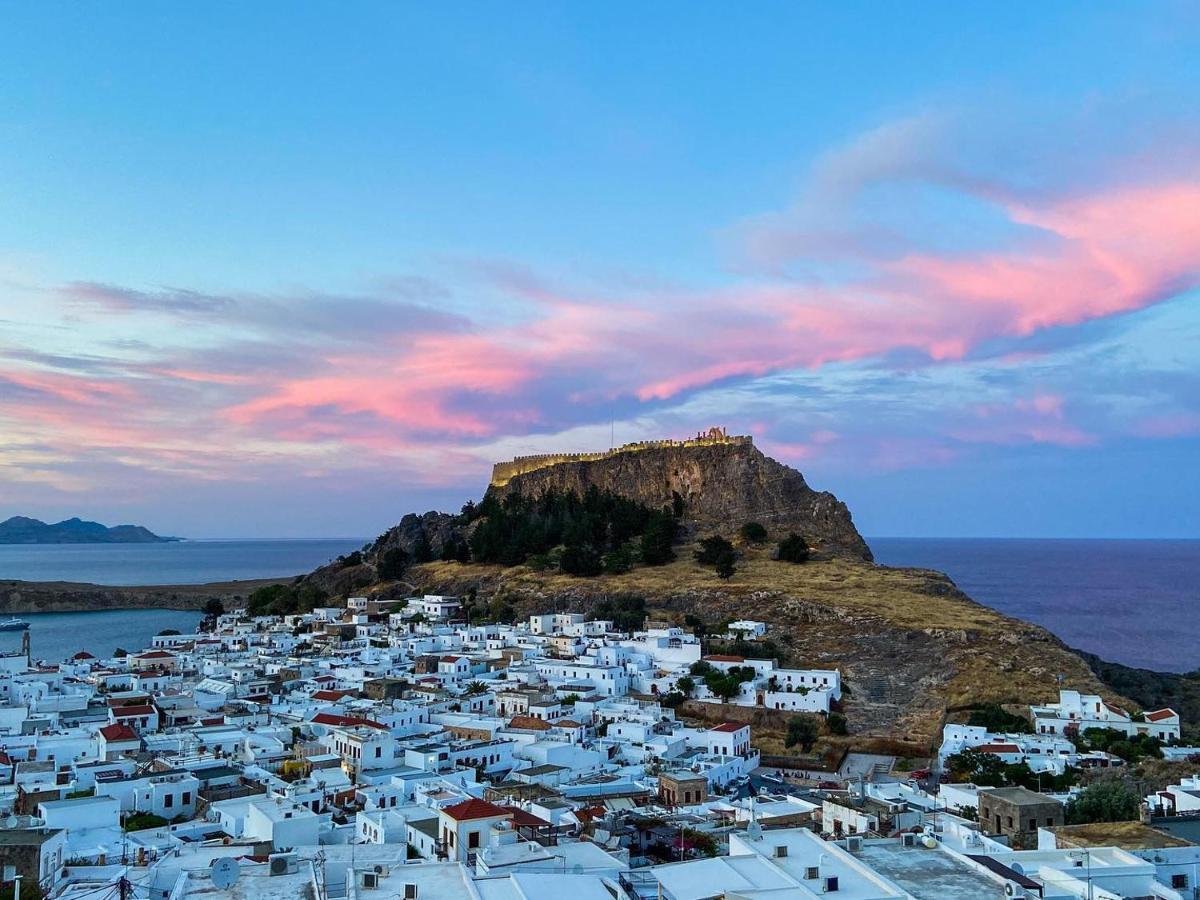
719 481
504 472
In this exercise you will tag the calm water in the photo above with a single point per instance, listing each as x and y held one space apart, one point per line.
1134 602
185 562
55 636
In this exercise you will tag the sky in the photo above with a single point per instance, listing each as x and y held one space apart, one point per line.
295 269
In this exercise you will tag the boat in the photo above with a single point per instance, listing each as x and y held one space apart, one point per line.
13 624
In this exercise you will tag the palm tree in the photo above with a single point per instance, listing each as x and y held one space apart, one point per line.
476 687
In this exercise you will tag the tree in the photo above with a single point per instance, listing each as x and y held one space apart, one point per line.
658 540
753 533
422 552
726 564
392 563
167 632
213 607
618 560
581 560
802 730
351 559
1111 800
994 717
686 685
476 687
793 549
711 549
837 723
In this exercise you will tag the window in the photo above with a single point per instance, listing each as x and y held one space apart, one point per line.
187 798
1010 821
1049 821
472 840
1179 882
169 801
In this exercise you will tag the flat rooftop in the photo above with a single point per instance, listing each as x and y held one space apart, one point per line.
1126 835
929 874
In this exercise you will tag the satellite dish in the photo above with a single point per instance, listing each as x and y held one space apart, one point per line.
1018 868
224 872
12 822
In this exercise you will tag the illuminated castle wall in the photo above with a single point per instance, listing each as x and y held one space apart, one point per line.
504 472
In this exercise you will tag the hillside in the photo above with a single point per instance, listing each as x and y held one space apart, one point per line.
18 597
24 530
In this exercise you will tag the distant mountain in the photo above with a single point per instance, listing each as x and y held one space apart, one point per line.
23 530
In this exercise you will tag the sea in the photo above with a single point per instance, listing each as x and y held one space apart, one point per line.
1135 602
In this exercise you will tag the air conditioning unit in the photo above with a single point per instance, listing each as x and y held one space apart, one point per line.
829 885
283 864
381 870
370 881
854 844
1014 890
910 840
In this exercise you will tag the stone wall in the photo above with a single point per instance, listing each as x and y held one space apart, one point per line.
504 472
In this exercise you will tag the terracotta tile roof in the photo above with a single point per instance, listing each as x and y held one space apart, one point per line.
329 695
346 721
469 810
132 711
1159 714
529 723
526 819
118 731
718 658
155 654
82 654
728 727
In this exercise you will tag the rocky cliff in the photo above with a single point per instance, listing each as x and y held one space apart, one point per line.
722 485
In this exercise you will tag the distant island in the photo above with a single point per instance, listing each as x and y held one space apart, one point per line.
23 530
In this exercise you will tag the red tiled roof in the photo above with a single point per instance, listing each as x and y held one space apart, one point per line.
450 659
83 654
346 721
526 819
998 748
529 723
476 809
728 727
118 731
156 654
329 695
1159 714
718 658
131 711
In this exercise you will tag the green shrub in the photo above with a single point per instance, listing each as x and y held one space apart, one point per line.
753 533
793 549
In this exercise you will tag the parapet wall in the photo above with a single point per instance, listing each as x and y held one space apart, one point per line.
504 472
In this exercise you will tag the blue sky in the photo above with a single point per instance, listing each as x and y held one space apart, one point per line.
295 269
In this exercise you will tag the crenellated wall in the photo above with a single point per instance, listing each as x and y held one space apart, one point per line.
504 472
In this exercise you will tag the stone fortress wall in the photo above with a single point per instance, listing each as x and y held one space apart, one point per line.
504 472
